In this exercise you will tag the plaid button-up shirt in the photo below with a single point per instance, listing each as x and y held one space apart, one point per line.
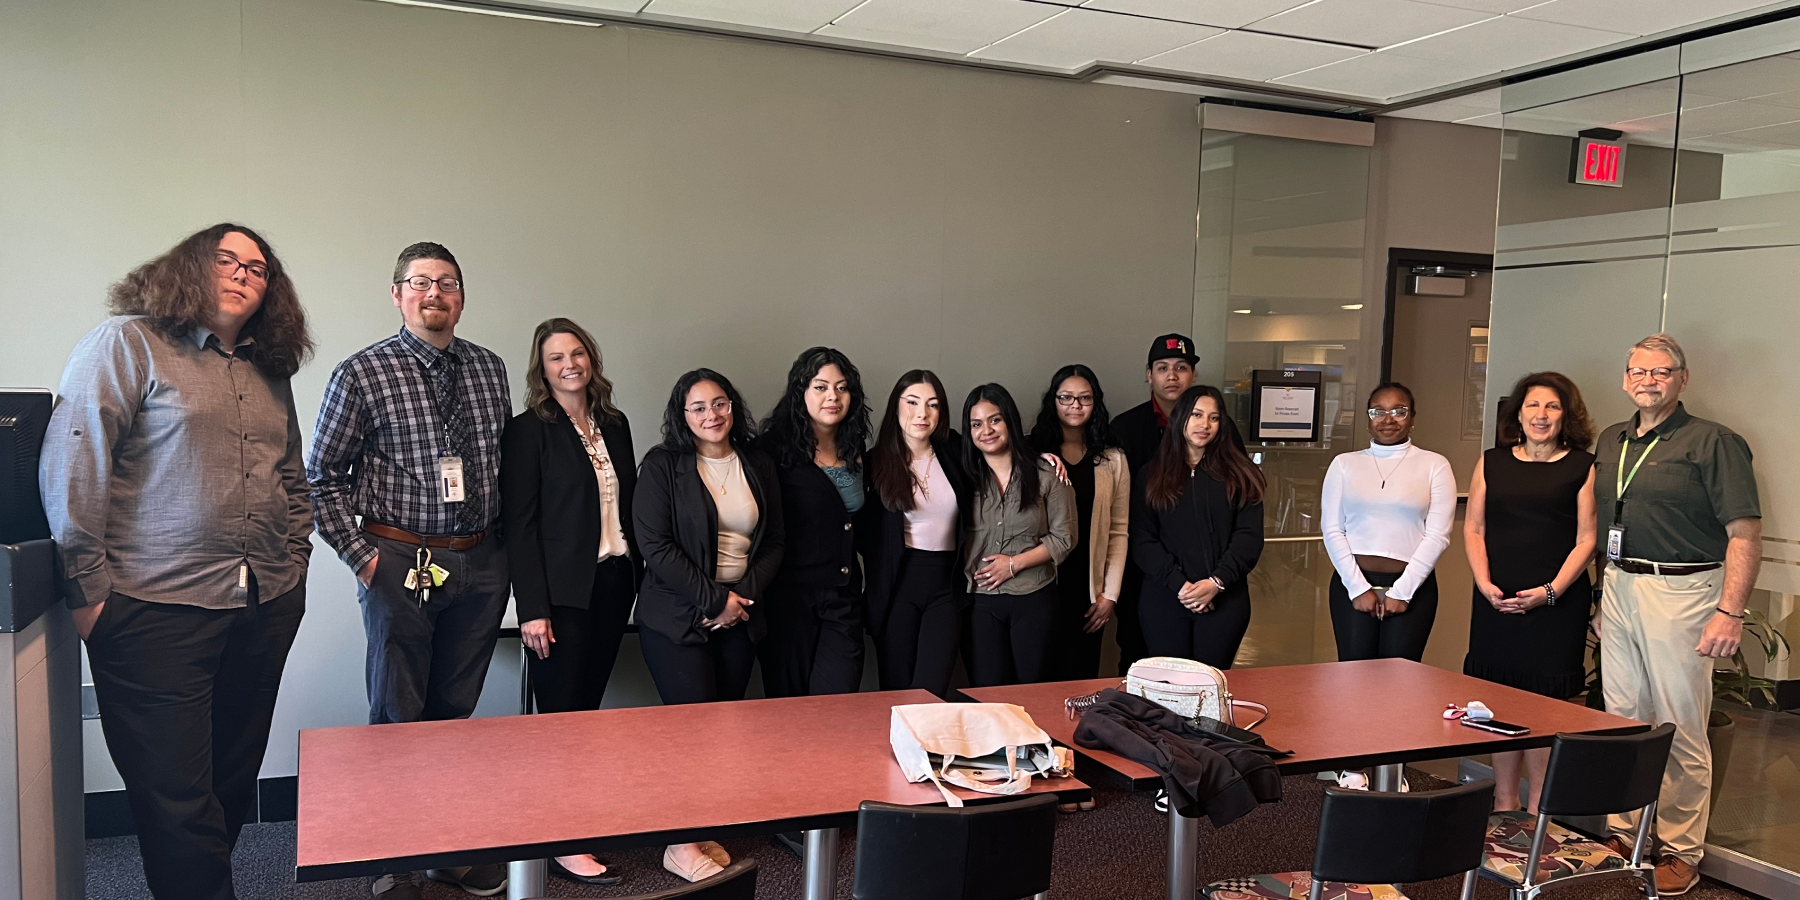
376 449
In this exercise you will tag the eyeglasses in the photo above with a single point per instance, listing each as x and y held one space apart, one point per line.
1074 399
1398 412
228 265
449 284
722 407
1660 373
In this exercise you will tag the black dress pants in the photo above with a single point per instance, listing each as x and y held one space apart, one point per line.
1130 631
1398 636
700 673
815 641
1009 637
573 677
1074 652
428 660
916 642
1211 637
186 696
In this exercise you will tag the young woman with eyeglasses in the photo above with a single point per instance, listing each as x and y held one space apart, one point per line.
1073 423
1386 513
709 526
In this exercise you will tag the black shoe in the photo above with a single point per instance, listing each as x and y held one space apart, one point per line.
482 881
607 878
794 842
403 886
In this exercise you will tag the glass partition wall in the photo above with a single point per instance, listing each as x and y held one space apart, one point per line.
1702 239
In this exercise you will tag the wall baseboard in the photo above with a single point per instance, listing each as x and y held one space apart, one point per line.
109 813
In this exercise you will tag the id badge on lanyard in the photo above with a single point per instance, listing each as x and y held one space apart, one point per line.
1615 536
450 479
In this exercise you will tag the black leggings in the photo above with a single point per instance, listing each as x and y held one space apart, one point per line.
700 673
1401 635
1211 637
815 641
573 677
917 643
1009 637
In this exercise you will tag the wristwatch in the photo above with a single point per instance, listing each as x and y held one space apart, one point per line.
1550 592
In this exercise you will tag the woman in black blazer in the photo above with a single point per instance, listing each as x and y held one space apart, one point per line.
1197 531
566 477
911 535
816 436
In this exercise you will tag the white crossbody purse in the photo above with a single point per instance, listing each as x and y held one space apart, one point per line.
1190 689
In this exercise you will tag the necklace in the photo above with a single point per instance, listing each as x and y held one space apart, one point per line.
925 483
1390 472
712 468
595 445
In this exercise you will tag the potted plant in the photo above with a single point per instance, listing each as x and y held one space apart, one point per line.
1732 683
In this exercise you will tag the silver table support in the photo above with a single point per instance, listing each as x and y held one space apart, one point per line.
819 882
1184 855
1387 778
525 878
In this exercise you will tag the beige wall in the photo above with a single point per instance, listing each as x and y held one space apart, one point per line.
692 200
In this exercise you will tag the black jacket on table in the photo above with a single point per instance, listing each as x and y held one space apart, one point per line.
550 503
882 532
1139 433
1202 536
819 549
1223 780
678 535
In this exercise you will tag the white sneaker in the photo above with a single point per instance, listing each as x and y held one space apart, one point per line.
1353 781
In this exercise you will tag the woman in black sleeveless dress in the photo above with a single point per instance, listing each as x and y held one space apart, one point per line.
1530 532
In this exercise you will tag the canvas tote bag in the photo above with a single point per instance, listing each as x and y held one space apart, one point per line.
993 748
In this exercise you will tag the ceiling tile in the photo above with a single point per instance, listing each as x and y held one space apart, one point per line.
1508 42
1255 57
1076 38
1382 75
624 6
1374 23
1498 7
1455 109
950 26
1747 80
1728 117
783 15
1223 13
1637 16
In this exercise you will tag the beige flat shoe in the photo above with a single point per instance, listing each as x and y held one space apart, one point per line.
703 869
716 853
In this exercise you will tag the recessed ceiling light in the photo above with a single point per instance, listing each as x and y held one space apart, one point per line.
1241 312
1352 306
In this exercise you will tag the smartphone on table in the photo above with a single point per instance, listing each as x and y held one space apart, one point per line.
1496 726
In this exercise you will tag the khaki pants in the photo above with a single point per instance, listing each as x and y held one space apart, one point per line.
1649 627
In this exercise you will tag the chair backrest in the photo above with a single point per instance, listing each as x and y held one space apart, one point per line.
1371 837
1600 774
737 882
992 851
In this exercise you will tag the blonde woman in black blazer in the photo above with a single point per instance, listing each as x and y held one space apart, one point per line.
567 475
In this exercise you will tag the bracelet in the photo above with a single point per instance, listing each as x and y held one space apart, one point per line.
1010 573
1550 592
1737 616
1217 583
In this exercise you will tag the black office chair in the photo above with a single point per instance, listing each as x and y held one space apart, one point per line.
737 882
995 851
1371 840
1589 775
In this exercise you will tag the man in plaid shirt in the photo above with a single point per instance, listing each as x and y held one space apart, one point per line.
409 441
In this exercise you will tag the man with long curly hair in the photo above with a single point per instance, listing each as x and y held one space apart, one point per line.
173 482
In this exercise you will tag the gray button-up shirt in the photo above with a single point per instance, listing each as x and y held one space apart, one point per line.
999 525
168 466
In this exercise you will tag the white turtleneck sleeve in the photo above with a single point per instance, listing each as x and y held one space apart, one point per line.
1396 501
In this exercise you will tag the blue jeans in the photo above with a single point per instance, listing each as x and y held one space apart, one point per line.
427 661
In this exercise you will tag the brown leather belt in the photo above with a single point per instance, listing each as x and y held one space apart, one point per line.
446 542
1650 568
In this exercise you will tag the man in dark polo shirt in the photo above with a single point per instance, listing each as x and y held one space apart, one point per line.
1682 532
1169 370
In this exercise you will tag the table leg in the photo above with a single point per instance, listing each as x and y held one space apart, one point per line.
1387 778
1184 855
819 882
525 878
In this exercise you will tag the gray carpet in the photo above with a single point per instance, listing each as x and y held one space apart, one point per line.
1114 851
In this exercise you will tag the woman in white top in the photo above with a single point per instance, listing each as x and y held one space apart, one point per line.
909 533
1386 513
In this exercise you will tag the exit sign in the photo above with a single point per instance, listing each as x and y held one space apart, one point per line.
1599 158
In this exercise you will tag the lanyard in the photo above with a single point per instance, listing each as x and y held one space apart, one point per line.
1621 481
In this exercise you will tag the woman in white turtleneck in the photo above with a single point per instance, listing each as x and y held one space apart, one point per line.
1386 513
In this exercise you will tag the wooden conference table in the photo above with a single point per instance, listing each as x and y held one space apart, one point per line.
1343 715
390 798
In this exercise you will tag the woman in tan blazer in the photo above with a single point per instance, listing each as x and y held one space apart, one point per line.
1073 423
